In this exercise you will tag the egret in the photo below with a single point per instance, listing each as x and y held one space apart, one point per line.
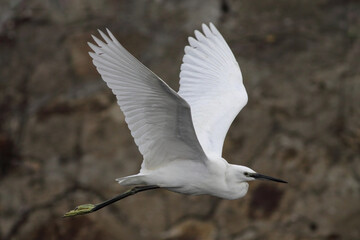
180 134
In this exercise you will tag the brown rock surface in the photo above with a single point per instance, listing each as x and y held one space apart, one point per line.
63 140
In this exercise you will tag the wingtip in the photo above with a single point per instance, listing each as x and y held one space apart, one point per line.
92 54
98 41
93 46
213 28
187 49
106 37
101 33
113 38
206 24
200 36
192 41
206 30
94 37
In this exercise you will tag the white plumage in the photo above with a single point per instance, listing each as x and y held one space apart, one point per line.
211 82
180 135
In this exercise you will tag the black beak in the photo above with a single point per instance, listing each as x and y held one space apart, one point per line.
264 177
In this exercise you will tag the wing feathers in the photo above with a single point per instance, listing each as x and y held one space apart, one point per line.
158 118
211 82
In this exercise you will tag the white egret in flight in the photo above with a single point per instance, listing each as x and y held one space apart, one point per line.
180 135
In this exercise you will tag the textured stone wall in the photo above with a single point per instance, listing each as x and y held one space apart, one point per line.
63 139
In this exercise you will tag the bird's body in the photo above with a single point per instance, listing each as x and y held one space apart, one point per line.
180 135
214 177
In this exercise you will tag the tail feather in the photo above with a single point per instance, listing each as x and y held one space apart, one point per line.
131 180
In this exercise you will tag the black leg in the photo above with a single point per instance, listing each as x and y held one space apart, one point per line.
89 208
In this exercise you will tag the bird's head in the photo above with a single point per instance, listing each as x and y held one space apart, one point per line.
245 174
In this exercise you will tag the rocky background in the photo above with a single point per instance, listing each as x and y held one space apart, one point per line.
63 139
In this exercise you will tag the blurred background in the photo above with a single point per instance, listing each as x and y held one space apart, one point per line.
63 139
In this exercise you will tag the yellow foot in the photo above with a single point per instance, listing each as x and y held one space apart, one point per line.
80 210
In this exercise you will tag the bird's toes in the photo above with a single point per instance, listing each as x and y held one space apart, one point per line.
80 210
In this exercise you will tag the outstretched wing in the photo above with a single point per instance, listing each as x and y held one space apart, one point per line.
211 82
158 118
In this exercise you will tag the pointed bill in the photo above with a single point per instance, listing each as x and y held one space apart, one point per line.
264 177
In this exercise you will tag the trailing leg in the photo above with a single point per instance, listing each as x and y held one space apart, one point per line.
89 208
